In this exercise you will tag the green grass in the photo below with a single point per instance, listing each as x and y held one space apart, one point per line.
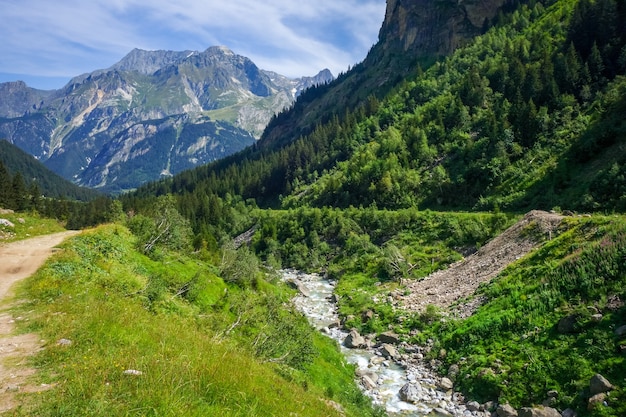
32 225
123 310
511 349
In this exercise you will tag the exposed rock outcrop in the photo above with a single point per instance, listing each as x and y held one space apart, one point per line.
434 28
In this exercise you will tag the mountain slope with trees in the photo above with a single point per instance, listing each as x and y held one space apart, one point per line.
529 115
26 177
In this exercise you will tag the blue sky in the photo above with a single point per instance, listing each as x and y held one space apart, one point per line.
45 42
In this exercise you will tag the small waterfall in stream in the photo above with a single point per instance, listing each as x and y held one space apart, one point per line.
380 378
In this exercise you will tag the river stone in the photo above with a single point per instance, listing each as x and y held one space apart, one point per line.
389 337
445 384
505 410
596 400
368 383
539 412
334 325
388 351
569 413
620 331
367 373
304 290
473 406
440 412
599 384
377 360
354 340
410 393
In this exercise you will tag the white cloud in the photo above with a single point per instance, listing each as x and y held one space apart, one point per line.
68 37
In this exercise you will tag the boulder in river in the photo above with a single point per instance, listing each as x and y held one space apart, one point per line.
389 337
440 412
354 340
388 351
410 393
539 412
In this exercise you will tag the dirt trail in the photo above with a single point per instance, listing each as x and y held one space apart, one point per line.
19 260
444 288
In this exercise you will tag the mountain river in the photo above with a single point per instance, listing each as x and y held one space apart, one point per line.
381 379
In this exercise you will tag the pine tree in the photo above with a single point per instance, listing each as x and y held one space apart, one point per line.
6 187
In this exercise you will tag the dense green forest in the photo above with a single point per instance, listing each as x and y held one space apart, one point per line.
26 185
35 174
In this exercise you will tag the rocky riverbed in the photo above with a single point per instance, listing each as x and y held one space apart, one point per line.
392 373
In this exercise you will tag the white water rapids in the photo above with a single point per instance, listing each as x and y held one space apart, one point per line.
315 302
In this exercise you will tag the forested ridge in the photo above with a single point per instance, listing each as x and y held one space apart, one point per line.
530 115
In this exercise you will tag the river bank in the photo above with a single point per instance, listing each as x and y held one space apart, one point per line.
392 373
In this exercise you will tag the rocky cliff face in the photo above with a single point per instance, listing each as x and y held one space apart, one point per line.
434 27
414 32
16 99
154 113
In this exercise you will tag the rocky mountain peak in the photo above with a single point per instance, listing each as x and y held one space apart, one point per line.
427 28
148 62
16 98
219 50
153 113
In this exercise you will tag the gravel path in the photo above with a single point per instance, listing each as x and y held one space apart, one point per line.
19 260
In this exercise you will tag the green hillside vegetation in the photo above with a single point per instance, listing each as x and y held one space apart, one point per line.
36 176
205 341
514 349
529 115
27 186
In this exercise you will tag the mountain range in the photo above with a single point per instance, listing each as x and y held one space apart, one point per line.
152 114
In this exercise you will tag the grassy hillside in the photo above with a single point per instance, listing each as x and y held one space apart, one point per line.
204 345
27 225
527 116
516 347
